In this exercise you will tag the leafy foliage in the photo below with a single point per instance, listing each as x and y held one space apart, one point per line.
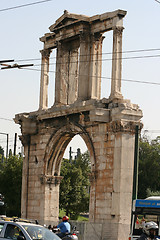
1 151
149 167
152 193
74 188
10 184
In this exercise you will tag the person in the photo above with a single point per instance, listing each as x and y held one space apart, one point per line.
143 221
149 231
50 227
64 226
137 223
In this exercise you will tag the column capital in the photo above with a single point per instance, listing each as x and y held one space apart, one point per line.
118 30
46 52
97 37
83 36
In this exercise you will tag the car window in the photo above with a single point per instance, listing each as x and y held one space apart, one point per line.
1 227
12 232
39 233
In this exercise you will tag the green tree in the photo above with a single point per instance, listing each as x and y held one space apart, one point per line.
149 166
10 184
74 188
1 151
1 156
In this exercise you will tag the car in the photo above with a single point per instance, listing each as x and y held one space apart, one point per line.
24 230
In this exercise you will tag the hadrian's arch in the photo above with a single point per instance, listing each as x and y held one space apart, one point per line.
106 125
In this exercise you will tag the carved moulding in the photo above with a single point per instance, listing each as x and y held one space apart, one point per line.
49 179
124 126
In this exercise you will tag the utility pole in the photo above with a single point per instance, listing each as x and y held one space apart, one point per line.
15 144
7 143
70 154
135 173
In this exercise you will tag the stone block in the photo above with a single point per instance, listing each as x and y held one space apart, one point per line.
115 208
93 231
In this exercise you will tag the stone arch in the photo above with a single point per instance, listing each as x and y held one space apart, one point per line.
57 144
107 126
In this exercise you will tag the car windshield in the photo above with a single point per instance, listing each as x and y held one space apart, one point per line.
40 233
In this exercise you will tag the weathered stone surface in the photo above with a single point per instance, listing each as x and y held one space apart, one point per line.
107 126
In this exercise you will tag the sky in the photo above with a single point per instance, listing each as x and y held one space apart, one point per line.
21 29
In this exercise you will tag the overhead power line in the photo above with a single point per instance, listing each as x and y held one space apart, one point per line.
7 66
6 119
24 5
103 53
128 51
55 63
6 61
103 59
109 78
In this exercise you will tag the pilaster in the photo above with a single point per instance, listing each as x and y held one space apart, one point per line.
66 73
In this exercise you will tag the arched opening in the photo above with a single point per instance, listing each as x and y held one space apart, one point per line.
72 149
75 171
74 168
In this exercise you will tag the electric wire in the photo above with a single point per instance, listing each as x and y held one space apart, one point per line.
101 60
126 80
103 53
24 5
83 61
7 119
109 78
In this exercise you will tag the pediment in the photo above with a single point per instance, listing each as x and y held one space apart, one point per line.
68 18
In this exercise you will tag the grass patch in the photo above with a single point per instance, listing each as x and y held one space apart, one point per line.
80 218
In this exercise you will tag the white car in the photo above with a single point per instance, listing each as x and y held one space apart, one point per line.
18 230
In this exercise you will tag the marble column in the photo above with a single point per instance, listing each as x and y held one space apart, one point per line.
116 64
43 103
84 67
95 66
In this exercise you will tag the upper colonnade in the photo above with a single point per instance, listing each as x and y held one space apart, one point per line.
78 40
